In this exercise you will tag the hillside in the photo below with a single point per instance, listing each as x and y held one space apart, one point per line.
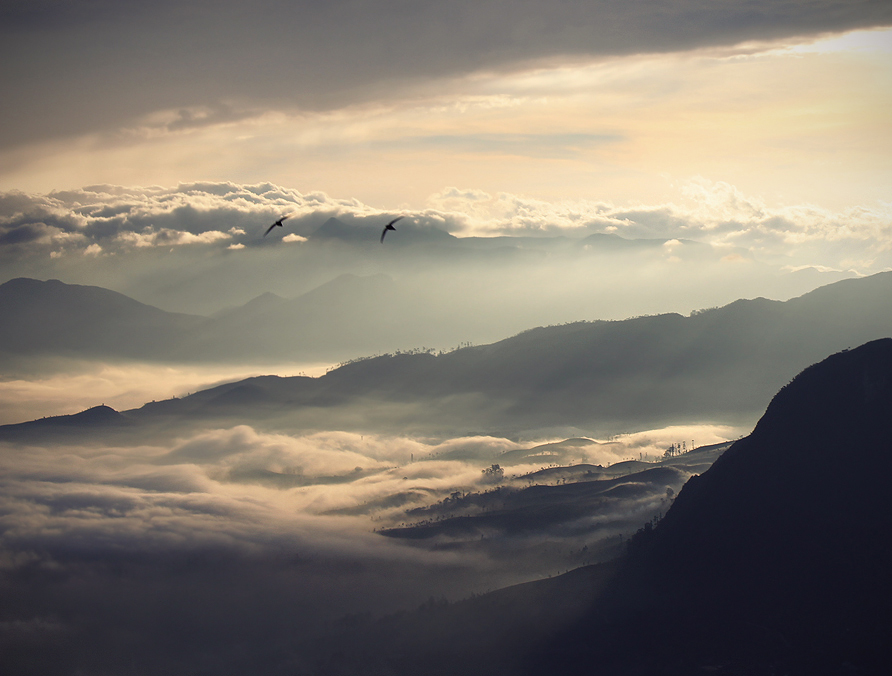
772 561
720 364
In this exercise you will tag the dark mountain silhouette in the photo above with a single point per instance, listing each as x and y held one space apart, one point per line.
90 421
774 561
776 558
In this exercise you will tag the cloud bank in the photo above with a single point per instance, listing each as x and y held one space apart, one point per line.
227 217
224 60
237 550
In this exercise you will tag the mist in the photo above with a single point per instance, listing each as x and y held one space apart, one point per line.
228 538
44 386
323 290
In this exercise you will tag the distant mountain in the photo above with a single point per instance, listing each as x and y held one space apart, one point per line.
773 561
338 317
253 308
344 316
52 317
718 365
608 242
625 373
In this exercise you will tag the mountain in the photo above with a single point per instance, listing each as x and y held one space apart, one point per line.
778 555
69 319
773 561
717 365
342 316
605 376
347 315
64 427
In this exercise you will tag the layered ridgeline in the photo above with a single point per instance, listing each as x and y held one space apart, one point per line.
332 319
718 365
341 293
774 560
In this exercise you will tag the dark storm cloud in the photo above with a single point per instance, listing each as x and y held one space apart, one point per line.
21 234
74 67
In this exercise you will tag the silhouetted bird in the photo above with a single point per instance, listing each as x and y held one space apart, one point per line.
389 226
279 223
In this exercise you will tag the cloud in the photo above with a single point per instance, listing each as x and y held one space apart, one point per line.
161 550
714 212
523 145
178 244
212 63
119 219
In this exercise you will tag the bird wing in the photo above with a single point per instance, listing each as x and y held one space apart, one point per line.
269 229
389 226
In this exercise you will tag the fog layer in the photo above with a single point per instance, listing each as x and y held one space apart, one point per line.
231 546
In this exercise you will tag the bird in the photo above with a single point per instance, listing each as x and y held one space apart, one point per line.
389 226
279 223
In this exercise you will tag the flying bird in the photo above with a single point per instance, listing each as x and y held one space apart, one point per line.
279 223
389 226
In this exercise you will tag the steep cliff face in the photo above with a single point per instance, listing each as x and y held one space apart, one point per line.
778 556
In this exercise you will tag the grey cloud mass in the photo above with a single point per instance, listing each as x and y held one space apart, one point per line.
160 551
102 65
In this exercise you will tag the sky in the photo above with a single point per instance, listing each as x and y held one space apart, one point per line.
146 149
760 129
510 113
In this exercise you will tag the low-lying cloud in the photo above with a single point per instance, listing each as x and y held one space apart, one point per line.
177 493
44 387
238 547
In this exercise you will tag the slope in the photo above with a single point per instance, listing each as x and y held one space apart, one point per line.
717 365
774 561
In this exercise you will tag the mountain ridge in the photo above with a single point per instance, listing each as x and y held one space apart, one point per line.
602 375
754 570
